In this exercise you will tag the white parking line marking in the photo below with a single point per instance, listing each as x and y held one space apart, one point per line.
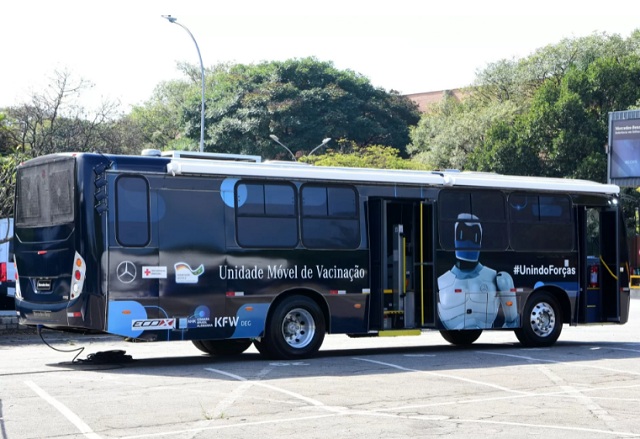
66 412
484 421
443 375
346 411
542 360
311 401
241 426
580 397
236 394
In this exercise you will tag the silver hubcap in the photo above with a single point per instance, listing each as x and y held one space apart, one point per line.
543 319
298 328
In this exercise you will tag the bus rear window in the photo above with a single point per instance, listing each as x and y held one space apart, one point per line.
45 194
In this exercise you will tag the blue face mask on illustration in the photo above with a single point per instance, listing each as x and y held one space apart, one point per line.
468 239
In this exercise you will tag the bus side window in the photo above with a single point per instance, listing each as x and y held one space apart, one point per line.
541 222
132 211
486 207
330 217
268 216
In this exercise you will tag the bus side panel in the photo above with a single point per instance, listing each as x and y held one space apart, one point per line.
132 278
191 236
209 287
493 293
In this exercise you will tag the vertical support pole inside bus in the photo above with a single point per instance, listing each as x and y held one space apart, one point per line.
398 267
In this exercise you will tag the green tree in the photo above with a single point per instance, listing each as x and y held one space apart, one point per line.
54 120
374 156
564 131
8 165
302 101
542 115
160 122
452 130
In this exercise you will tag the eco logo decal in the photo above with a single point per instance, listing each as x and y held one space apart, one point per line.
186 275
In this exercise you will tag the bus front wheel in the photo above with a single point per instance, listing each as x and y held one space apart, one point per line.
294 330
223 348
541 321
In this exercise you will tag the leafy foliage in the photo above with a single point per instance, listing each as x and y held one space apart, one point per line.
53 121
160 122
301 101
445 137
543 115
375 156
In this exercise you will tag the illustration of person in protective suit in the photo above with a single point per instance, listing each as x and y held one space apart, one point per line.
470 294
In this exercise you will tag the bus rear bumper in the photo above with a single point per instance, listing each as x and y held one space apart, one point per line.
68 316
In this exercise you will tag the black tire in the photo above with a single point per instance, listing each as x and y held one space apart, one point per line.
261 347
461 338
223 348
294 330
199 345
541 321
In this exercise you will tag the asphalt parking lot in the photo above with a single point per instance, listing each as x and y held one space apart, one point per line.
586 386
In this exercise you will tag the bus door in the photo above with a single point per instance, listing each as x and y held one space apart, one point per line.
133 268
424 265
615 266
401 253
605 276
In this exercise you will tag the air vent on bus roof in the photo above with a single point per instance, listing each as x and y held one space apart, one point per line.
212 156
151 152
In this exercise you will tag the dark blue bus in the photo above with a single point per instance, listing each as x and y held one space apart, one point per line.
226 253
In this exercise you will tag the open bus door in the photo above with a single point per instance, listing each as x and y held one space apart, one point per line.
615 262
401 261
606 267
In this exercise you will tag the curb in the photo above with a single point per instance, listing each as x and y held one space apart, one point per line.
9 321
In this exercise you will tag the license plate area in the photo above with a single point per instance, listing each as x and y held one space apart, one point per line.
43 285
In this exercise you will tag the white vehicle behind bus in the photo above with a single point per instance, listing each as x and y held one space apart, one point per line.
7 267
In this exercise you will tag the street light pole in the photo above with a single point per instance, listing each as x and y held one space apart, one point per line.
175 21
324 142
275 139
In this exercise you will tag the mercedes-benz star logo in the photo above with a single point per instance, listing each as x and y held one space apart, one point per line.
126 272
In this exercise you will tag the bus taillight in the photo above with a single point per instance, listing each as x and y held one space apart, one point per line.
79 272
3 271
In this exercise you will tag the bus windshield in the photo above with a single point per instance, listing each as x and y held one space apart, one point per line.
44 192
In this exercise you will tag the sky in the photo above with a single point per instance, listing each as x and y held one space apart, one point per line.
125 48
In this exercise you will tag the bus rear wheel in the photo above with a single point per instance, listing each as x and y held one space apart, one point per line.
461 338
541 321
234 346
294 330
